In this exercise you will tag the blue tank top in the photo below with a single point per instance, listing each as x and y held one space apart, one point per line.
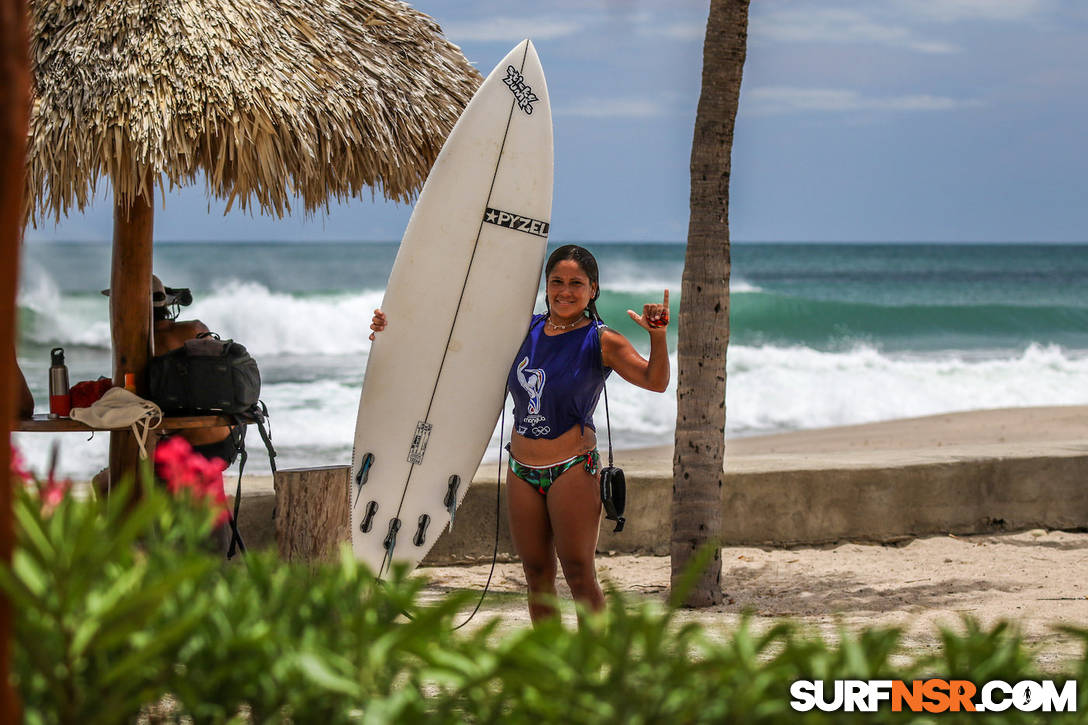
556 380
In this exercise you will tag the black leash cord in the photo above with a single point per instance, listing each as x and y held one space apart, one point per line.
498 507
604 385
494 554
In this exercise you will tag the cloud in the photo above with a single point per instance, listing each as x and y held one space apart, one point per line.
775 100
829 25
675 31
614 108
956 10
512 29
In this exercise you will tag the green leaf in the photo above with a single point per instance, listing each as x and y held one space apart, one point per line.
26 579
35 538
317 669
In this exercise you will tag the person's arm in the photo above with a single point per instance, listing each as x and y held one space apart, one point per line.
170 337
25 408
618 353
192 328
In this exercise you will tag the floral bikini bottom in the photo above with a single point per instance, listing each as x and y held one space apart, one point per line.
542 477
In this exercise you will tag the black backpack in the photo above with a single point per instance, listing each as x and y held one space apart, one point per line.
208 375
205 375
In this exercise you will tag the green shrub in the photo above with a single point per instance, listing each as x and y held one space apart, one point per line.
120 610
120 605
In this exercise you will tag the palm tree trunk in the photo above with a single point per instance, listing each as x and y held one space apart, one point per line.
704 308
14 117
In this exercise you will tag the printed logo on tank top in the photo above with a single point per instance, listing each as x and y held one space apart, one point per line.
533 381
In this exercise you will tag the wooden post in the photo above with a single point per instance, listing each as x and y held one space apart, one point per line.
130 313
14 118
312 517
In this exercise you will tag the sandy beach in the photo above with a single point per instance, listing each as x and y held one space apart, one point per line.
1001 433
1036 578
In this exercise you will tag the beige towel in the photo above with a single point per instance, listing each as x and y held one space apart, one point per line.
119 408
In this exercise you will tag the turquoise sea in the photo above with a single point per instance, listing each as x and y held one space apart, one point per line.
822 334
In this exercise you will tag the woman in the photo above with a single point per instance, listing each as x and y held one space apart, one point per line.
556 379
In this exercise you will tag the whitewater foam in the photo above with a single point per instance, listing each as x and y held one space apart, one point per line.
58 319
276 323
774 389
770 389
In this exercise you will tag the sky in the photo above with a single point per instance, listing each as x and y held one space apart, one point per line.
859 121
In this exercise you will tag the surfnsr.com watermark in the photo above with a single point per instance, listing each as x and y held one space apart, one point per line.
933 695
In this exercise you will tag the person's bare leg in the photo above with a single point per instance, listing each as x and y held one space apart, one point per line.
533 541
574 509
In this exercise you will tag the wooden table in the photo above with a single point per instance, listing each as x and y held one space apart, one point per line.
42 423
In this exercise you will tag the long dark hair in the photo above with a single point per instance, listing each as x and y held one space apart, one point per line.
586 261
165 312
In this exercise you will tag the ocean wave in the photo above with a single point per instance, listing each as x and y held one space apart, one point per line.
267 322
657 285
775 389
770 389
777 318
48 317
274 323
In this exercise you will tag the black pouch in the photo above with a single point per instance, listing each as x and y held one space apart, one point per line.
613 484
614 495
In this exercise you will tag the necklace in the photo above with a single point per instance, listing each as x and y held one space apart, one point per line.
563 327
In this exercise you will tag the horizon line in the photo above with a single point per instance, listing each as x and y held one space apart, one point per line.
590 241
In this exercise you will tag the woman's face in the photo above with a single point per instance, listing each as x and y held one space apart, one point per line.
569 289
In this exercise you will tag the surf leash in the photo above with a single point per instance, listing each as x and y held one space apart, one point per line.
498 509
498 513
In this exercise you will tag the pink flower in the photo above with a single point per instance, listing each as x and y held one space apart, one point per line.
18 467
52 493
172 463
182 468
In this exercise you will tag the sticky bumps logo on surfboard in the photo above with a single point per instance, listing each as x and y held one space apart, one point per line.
522 91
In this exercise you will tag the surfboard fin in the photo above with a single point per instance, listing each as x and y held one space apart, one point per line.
368 519
451 496
421 532
362 476
390 542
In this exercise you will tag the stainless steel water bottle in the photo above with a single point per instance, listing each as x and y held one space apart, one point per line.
60 398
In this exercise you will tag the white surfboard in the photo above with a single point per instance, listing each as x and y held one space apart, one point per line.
458 303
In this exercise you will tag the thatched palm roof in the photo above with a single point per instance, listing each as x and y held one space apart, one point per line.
270 98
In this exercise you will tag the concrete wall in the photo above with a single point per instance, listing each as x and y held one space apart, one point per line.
794 507
787 508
